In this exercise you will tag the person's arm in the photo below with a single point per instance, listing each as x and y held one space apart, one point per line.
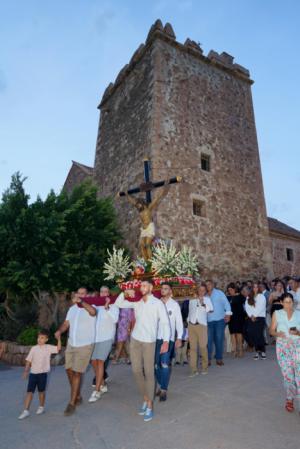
113 313
130 199
159 197
62 329
178 327
165 327
248 309
122 303
91 310
208 305
273 327
26 369
227 308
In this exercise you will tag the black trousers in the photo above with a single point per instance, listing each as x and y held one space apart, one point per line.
256 333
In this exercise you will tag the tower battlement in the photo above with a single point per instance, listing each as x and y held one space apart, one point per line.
223 61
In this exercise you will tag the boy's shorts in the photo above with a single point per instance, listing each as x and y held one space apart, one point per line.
78 358
37 380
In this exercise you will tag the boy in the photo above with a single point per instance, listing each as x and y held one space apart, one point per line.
38 362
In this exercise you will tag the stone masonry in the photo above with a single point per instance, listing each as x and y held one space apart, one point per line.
176 106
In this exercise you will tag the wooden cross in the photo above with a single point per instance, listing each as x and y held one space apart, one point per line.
147 186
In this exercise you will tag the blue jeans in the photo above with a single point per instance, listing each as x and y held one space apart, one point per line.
216 331
163 364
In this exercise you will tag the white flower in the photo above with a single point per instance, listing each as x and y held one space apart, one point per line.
118 266
186 262
164 259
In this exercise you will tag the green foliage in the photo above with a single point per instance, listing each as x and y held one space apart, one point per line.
54 245
28 337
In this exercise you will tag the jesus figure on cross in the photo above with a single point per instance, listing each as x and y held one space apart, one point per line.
148 228
147 206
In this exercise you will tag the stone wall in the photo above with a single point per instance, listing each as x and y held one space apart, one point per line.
124 141
283 267
173 104
75 177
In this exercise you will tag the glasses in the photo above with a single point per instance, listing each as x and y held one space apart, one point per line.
287 302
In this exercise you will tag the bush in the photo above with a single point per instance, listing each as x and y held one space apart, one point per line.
28 337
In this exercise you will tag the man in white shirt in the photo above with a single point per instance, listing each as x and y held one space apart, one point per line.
163 361
149 312
80 321
107 318
197 319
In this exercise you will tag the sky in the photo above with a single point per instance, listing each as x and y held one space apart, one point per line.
58 56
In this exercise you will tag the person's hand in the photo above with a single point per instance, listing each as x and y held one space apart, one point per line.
130 293
107 302
25 375
281 334
164 347
76 299
253 318
227 318
293 332
57 335
178 343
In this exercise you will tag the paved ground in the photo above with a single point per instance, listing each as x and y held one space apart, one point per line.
238 406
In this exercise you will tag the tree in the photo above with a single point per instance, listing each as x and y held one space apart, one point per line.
53 245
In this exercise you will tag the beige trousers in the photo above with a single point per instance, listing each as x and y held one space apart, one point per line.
142 362
198 337
181 353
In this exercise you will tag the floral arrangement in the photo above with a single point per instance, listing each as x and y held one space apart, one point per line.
164 259
118 265
187 263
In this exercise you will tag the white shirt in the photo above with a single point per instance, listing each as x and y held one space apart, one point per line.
175 320
197 312
82 326
259 309
106 323
147 316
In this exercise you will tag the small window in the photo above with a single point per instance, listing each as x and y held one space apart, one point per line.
199 208
205 162
290 254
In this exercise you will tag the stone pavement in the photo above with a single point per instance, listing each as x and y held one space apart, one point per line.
239 406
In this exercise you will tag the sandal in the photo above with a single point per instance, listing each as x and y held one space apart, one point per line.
289 405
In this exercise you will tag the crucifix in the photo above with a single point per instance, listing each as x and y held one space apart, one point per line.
147 206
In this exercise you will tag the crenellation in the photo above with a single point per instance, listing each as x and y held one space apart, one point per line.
168 29
223 61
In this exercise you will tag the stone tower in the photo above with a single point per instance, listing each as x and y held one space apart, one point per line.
192 115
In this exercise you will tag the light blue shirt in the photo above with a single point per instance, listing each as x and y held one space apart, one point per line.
284 324
220 304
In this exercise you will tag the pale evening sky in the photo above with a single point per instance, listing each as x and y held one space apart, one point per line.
57 57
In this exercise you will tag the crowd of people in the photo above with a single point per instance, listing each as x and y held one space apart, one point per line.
153 334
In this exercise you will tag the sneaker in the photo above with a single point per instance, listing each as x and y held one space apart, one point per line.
256 357
148 414
95 396
204 372
194 374
40 410
143 409
163 396
69 410
24 414
103 388
94 382
263 355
